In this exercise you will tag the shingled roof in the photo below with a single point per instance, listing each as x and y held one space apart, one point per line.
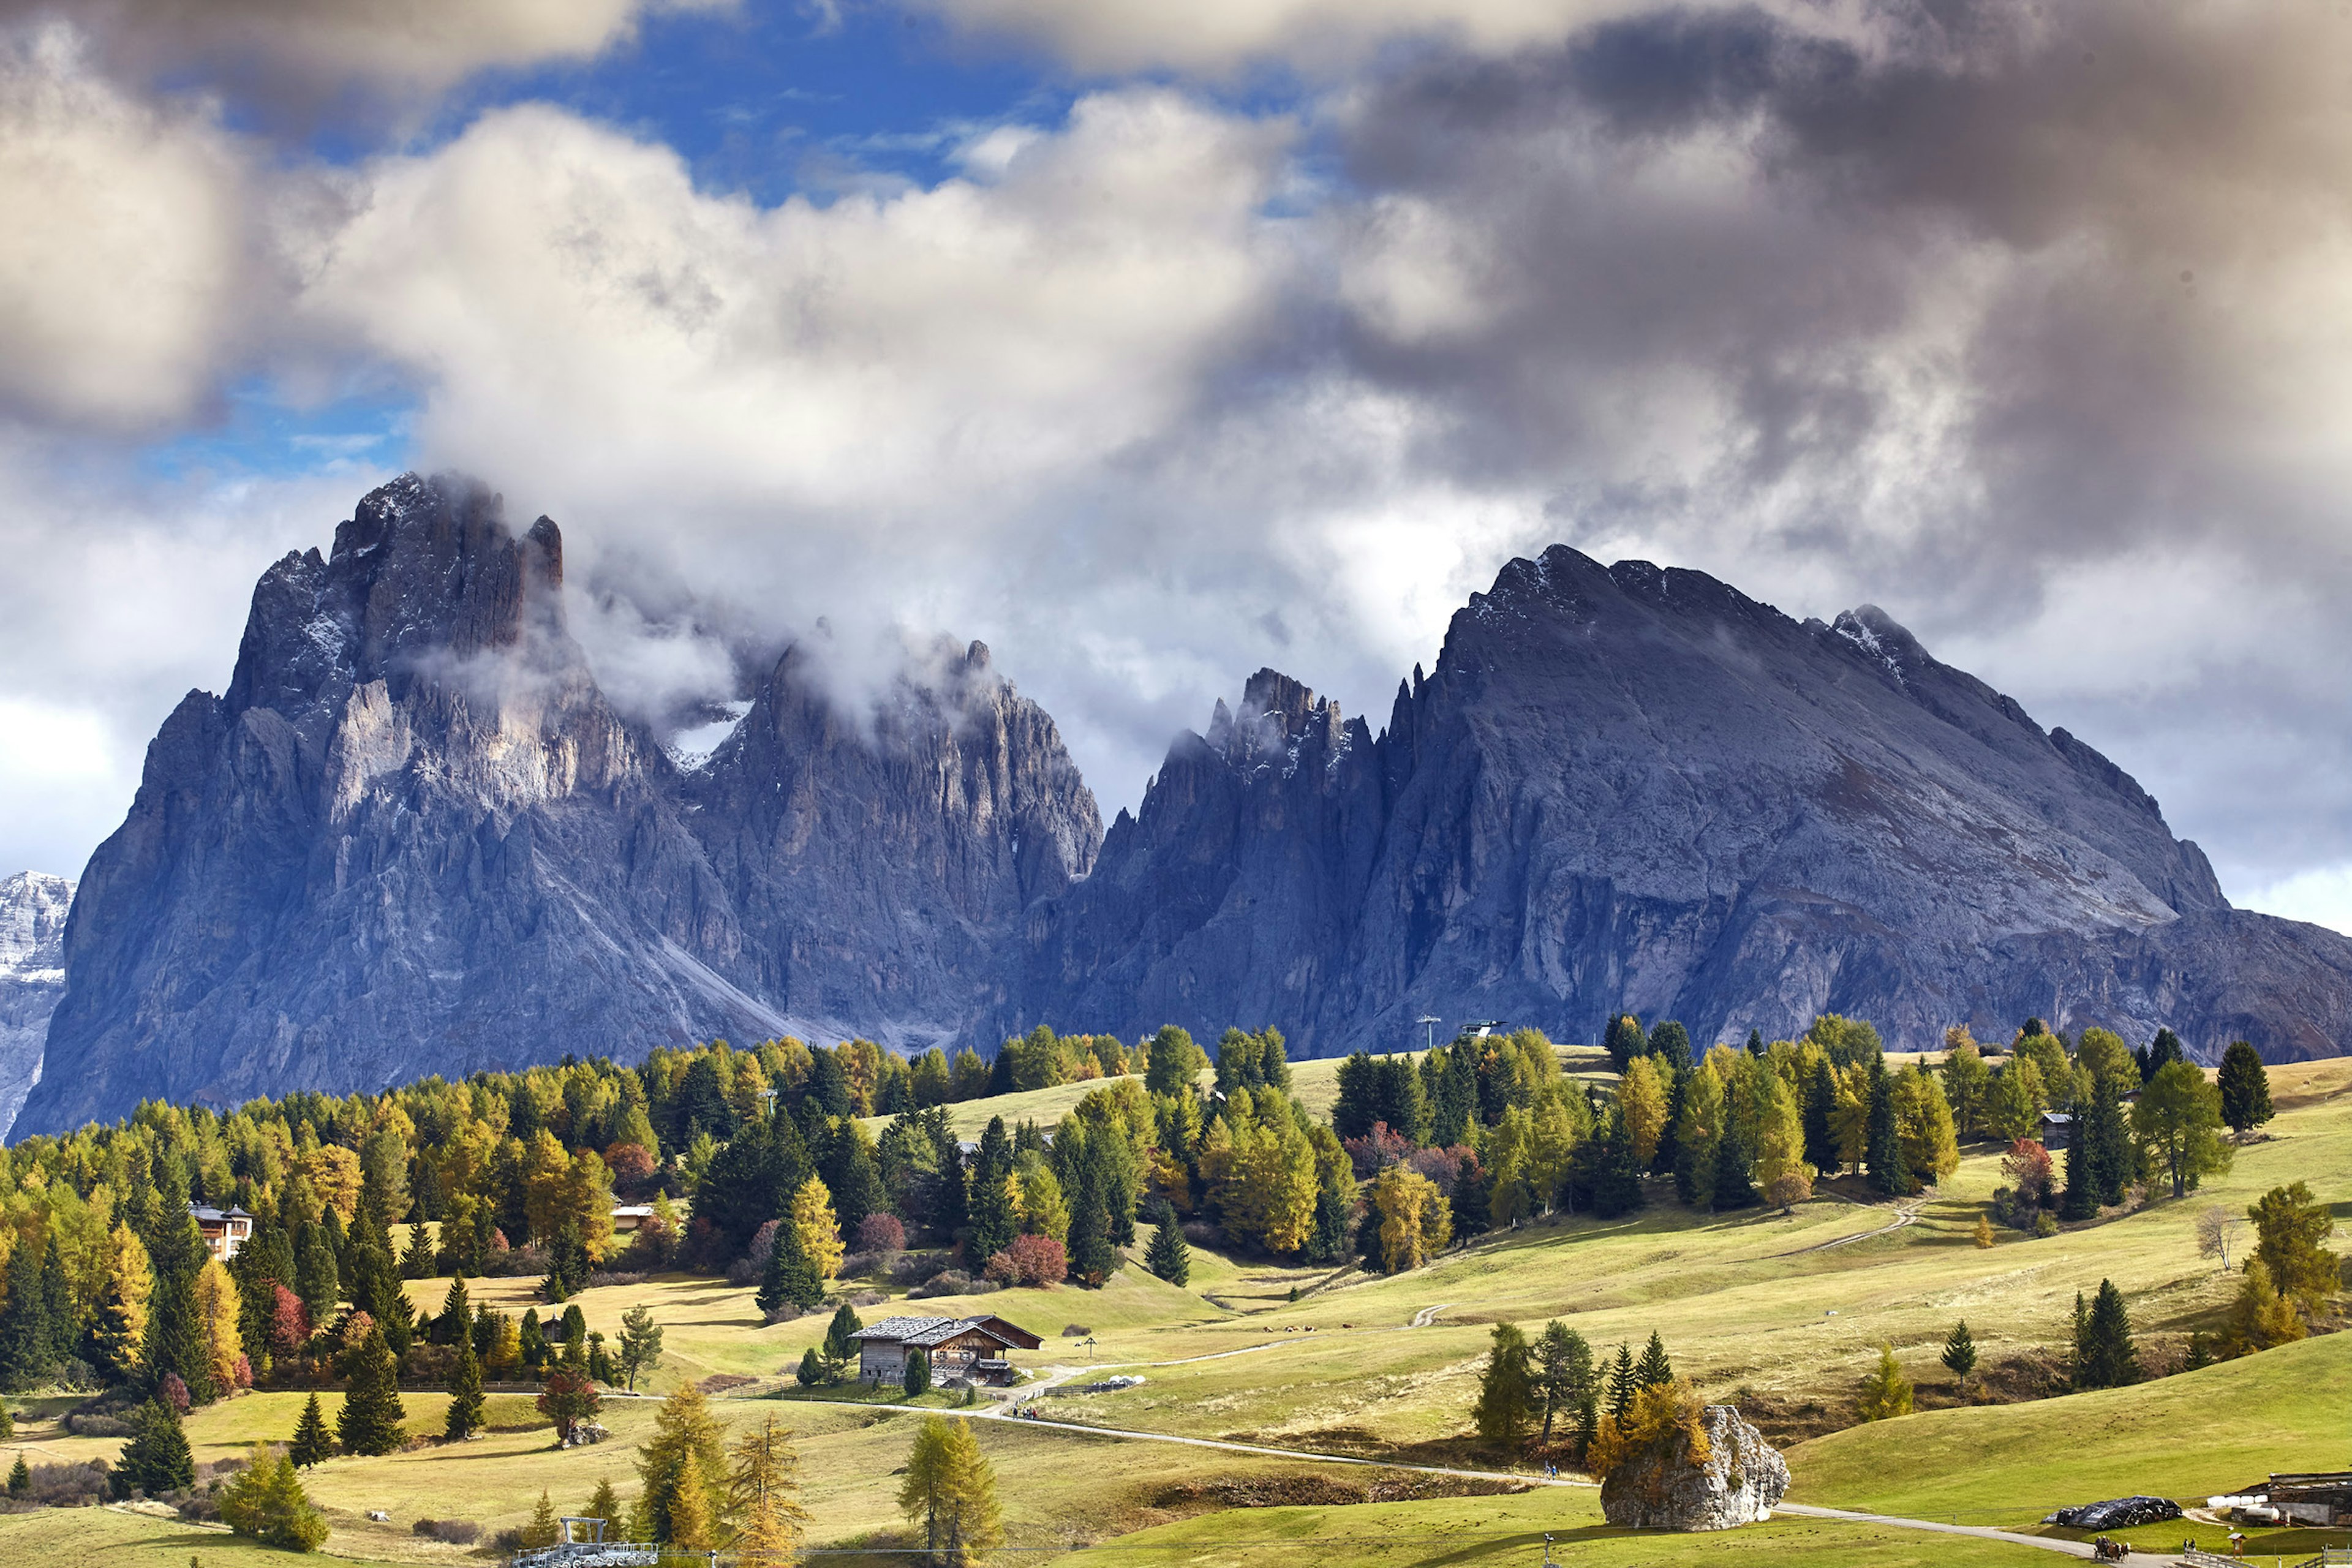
926 1332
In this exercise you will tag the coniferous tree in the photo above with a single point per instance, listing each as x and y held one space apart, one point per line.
2112 1157
317 1278
20 1476
1655 1371
1507 1391
1821 1105
995 1223
1565 1379
916 1379
1671 1043
2080 1200
456 1320
1624 1041
1604 1168
467 1416
1733 1189
25 1343
604 1503
840 1349
811 1371
371 1414
1960 1352
1622 1386
157 1460
1093 1259
535 1351
641 1343
176 1334
791 1280
1885 1392
2246 1088
2108 1358
1883 1145
686 1455
1168 1256
57 1306
311 1443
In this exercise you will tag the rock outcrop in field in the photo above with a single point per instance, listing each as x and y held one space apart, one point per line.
1739 1479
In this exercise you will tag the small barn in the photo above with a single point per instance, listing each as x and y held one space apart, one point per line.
2322 1498
972 1348
2057 1130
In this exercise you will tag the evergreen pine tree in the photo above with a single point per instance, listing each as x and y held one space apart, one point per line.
311 1443
994 1222
2078 1355
2246 1088
1092 1257
58 1307
1960 1352
25 1354
1821 1105
1624 1041
2108 1359
1168 1256
1506 1391
456 1321
416 1259
157 1460
1733 1189
2111 1156
467 1416
840 1349
811 1371
371 1413
535 1351
917 1378
317 1278
1622 1386
1883 1145
176 1248
1655 1370
2080 1199
791 1280
20 1476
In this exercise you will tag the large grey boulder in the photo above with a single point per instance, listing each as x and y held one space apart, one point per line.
1740 1481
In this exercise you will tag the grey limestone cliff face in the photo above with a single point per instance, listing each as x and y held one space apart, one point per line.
1631 788
33 908
413 837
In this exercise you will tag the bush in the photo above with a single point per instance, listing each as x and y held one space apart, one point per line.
946 1282
456 1532
507 1541
599 1277
920 1268
1076 1330
516 1263
2045 1224
1033 1261
863 1265
881 1233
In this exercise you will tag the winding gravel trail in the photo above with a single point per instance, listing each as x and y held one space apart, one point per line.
1904 1214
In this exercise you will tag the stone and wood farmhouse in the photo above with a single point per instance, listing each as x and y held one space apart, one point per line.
970 1348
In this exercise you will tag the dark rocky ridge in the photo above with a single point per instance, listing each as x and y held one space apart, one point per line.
1636 788
413 837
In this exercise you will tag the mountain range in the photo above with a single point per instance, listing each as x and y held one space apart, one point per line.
414 836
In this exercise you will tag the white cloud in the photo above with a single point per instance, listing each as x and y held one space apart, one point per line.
2322 895
124 255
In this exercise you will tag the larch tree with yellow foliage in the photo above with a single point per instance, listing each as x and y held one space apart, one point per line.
1643 1098
120 1328
763 1494
1416 1222
812 1222
216 1314
951 1490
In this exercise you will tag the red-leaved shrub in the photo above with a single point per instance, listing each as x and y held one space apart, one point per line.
881 1233
1030 1260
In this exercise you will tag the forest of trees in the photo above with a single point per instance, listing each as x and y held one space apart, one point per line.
756 1162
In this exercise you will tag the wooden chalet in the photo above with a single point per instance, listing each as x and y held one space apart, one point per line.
974 1349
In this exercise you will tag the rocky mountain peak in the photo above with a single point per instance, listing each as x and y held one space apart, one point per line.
33 907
